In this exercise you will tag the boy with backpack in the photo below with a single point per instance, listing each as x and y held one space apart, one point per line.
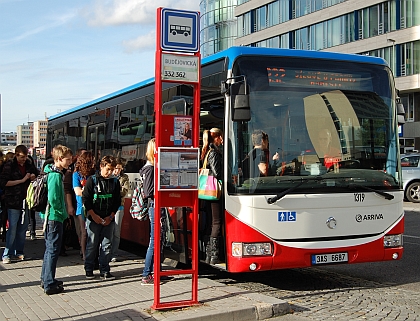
54 216
101 198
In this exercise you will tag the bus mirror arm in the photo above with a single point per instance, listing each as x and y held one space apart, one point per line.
237 89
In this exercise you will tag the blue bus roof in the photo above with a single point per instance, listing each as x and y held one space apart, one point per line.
234 52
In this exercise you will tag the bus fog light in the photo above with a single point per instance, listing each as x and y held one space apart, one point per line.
253 266
237 249
393 240
395 256
253 249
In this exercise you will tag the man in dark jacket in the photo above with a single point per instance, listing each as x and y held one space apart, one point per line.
101 198
14 180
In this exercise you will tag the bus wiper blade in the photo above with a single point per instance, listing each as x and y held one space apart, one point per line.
383 194
274 199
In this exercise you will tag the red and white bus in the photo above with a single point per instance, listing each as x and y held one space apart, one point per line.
310 208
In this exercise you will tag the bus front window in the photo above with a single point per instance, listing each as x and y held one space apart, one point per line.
336 122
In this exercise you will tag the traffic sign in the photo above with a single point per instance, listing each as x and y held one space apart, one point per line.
179 30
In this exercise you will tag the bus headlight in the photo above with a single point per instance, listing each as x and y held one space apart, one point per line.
251 249
393 240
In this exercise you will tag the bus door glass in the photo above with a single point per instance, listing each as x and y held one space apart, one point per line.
96 140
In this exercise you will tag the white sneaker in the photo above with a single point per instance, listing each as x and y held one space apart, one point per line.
7 260
114 259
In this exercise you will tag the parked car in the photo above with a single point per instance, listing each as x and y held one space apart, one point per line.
410 165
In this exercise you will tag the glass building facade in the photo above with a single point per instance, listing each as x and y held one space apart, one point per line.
218 25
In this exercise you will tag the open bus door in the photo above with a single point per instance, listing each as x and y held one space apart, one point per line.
96 140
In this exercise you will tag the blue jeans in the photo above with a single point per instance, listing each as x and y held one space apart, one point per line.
148 262
16 234
117 231
53 236
97 234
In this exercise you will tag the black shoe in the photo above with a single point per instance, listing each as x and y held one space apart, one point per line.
90 275
54 290
56 283
107 276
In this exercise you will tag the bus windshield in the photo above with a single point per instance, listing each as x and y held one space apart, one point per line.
328 119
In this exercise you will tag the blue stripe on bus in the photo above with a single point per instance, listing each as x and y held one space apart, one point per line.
232 53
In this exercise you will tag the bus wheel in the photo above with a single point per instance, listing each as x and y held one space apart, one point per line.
413 192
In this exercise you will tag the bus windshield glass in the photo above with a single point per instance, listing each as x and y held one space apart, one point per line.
331 120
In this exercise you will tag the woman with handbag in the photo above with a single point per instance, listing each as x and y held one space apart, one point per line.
211 157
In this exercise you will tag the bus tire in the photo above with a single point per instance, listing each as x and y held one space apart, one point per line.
413 192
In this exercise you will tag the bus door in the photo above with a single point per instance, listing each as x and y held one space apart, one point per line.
96 140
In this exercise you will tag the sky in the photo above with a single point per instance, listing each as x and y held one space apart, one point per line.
56 55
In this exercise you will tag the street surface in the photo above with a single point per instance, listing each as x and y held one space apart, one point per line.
370 291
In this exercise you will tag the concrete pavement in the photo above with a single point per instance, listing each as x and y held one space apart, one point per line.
22 298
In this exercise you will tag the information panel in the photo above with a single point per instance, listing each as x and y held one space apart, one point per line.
178 168
180 68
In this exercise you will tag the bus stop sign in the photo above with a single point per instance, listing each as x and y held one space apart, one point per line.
179 30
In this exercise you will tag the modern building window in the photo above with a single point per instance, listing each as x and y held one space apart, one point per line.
377 19
261 18
410 13
304 7
408 102
410 58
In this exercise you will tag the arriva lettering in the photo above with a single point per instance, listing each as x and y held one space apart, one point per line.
372 217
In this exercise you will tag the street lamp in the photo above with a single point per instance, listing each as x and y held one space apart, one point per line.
392 54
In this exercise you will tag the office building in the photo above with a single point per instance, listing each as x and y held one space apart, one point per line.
388 29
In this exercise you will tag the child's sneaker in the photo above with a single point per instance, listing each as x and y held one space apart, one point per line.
148 280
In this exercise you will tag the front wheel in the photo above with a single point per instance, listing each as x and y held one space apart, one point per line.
413 192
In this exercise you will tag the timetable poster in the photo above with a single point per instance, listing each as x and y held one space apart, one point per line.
178 168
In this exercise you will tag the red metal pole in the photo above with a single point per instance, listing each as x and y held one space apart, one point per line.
158 116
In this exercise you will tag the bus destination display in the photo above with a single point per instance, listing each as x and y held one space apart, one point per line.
278 76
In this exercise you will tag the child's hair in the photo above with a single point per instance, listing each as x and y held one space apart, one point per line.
84 164
120 161
150 151
108 160
60 151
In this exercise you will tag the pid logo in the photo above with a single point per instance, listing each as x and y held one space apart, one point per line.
286 216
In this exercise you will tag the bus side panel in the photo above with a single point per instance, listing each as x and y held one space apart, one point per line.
292 257
132 229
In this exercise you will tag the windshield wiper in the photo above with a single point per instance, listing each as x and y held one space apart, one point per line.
302 181
383 194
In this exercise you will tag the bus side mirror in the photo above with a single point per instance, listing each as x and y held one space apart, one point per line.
400 112
239 101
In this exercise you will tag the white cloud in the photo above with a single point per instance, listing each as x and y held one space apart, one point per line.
142 42
117 12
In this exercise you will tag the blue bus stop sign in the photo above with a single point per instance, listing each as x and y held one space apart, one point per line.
179 30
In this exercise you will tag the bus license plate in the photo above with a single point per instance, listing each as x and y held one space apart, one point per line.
329 258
